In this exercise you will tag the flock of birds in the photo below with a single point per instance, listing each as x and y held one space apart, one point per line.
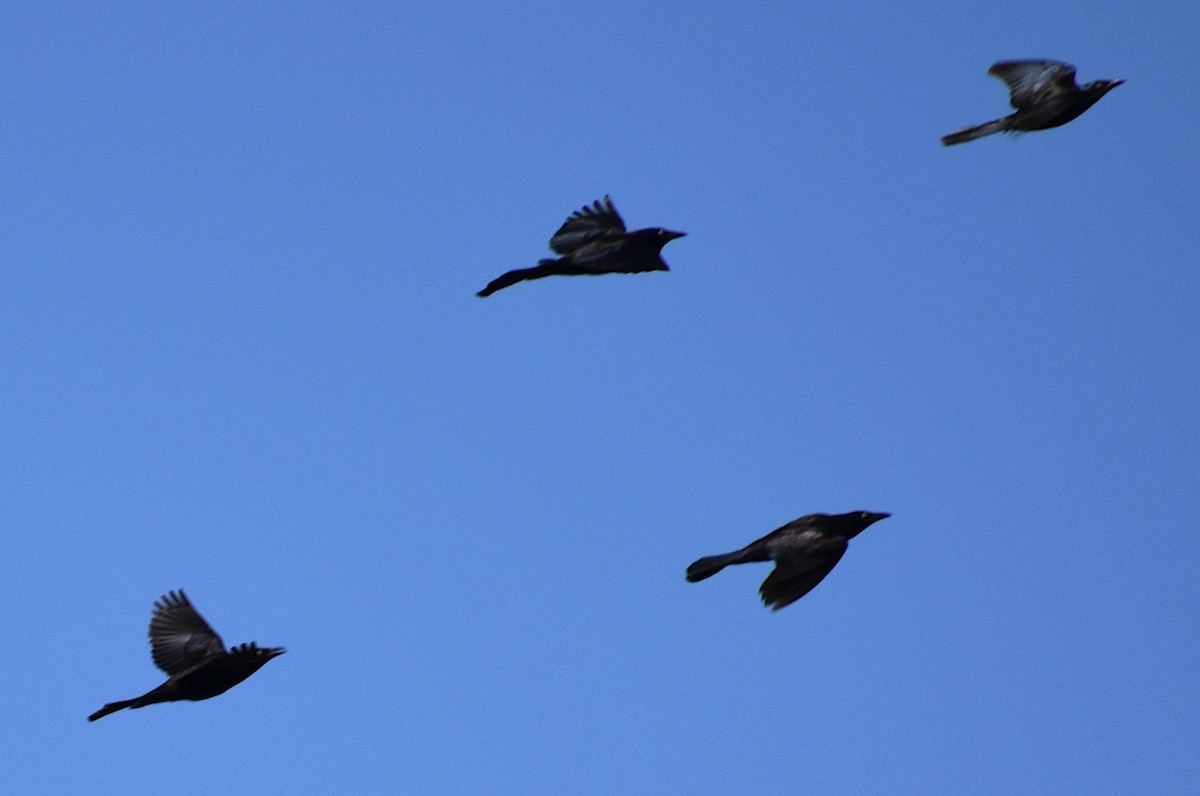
592 241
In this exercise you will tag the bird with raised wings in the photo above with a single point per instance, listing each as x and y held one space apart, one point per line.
593 241
1045 95
198 667
804 551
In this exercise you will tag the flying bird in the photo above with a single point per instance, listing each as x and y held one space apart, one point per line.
804 551
1045 95
193 655
593 241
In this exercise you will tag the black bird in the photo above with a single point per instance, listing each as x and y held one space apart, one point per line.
1045 95
186 648
594 241
804 551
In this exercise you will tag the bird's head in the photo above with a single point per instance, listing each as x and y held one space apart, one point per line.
861 520
656 236
259 655
1098 88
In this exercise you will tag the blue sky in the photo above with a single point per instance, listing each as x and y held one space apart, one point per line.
242 355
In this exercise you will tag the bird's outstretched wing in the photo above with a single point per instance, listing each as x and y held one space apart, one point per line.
798 572
597 221
1033 82
179 636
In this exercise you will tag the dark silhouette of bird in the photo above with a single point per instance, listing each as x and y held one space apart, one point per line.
1045 95
804 551
593 241
193 655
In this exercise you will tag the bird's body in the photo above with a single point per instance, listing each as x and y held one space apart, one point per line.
804 551
1044 94
593 241
193 655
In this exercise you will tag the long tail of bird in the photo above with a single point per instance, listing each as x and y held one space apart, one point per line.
971 133
544 268
111 707
710 565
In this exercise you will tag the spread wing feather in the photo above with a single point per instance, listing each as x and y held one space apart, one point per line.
592 222
1033 82
179 636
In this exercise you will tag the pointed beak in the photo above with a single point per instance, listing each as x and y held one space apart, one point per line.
275 652
670 235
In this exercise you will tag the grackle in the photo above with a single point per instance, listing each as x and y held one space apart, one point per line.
593 241
193 655
1045 95
804 551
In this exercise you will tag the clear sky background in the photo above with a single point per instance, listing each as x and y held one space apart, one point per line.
240 353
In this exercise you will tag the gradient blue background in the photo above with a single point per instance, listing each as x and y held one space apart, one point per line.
240 353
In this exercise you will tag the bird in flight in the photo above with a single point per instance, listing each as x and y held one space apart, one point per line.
593 241
804 551
193 656
1045 95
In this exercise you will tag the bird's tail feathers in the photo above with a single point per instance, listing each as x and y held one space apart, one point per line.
708 566
542 269
971 133
111 707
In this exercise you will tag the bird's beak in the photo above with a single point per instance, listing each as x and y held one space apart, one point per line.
274 652
669 235
1115 83
879 515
